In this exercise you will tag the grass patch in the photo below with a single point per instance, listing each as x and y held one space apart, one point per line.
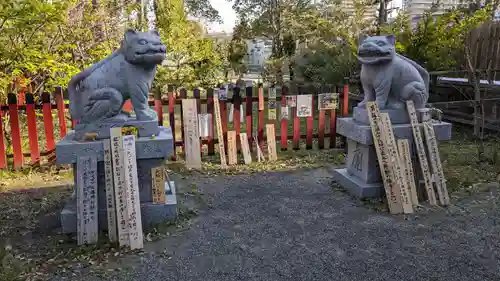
30 177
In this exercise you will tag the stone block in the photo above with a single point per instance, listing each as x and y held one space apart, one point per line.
144 128
355 186
397 116
160 146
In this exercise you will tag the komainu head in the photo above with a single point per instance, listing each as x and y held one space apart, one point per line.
143 48
376 49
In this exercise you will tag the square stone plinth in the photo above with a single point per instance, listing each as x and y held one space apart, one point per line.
361 177
102 129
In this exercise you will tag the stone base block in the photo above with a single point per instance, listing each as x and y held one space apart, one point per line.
159 146
356 186
145 128
151 214
362 133
397 116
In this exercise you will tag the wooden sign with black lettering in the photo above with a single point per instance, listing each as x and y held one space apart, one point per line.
436 166
220 134
191 134
422 157
396 164
119 184
245 148
110 192
132 185
158 185
391 186
87 212
231 148
405 157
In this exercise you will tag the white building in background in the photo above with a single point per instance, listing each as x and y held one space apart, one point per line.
258 52
416 8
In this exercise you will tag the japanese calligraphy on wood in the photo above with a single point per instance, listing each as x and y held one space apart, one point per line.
437 168
158 185
328 101
405 157
87 224
133 202
396 164
204 121
260 155
271 142
379 139
191 134
231 148
119 184
422 157
271 105
220 135
304 105
110 192
245 148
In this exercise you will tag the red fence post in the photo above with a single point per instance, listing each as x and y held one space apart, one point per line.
17 148
58 94
284 122
32 130
48 122
3 155
196 95
346 97
171 111
333 123
210 110
237 115
159 106
296 126
183 95
321 126
260 121
223 115
249 113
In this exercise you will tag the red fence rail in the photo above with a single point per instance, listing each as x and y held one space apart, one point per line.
43 111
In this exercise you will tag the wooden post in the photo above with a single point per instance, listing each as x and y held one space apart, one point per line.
171 113
191 134
60 111
158 185
110 192
249 112
231 148
32 129
260 123
271 142
245 148
87 212
220 136
159 106
405 157
3 154
15 131
48 122
210 110
284 121
183 95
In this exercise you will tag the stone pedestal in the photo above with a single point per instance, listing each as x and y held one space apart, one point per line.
362 177
150 152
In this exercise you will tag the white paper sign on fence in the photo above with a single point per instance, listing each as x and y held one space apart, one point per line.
304 105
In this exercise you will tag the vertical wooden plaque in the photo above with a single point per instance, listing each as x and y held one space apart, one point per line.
422 157
245 148
271 104
396 164
405 157
220 133
87 212
231 148
133 202
191 134
119 184
271 142
110 192
158 185
386 170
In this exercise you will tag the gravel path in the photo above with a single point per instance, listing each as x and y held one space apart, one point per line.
296 226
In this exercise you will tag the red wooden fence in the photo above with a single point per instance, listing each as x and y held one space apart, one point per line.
45 108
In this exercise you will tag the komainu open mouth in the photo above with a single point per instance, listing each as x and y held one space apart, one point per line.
372 53
150 52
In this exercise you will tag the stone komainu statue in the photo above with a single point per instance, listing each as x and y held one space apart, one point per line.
98 92
389 78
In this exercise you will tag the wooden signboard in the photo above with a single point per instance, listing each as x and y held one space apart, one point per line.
260 155
304 105
271 105
110 192
191 134
220 134
245 148
261 100
291 101
119 184
436 166
328 101
284 113
132 185
397 164
158 185
204 121
231 148
405 157
87 224
422 157
271 142
390 185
